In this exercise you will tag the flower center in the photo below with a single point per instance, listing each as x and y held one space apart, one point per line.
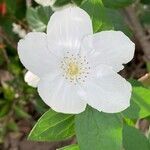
75 68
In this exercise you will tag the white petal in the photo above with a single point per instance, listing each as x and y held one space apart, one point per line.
34 54
60 96
112 48
66 29
107 91
31 79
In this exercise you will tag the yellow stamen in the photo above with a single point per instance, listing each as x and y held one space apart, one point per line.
73 69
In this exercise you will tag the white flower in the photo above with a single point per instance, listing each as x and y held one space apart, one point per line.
17 29
45 2
31 79
77 67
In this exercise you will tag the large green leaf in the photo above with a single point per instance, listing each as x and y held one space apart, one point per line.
141 96
117 3
98 131
140 103
97 13
38 17
132 112
133 139
53 126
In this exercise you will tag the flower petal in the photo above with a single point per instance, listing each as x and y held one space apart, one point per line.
66 29
111 48
107 91
34 54
60 96
31 79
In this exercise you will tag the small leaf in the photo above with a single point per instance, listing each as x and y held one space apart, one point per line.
4 110
133 139
70 147
98 131
20 113
38 17
9 93
78 2
44 14
59 3
53 126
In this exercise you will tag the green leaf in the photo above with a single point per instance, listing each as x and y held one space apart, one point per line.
11 6
44 14
40 106
59 3
133 139
38 17
20 9
141 96
70 147
78 2
133 111
135 83
53 126
115 18
117 3
4 110
98 131
9 93
20 113
97 13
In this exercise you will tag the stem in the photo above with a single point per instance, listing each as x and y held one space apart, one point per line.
138 31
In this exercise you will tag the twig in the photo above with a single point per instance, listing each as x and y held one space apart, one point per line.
138 31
